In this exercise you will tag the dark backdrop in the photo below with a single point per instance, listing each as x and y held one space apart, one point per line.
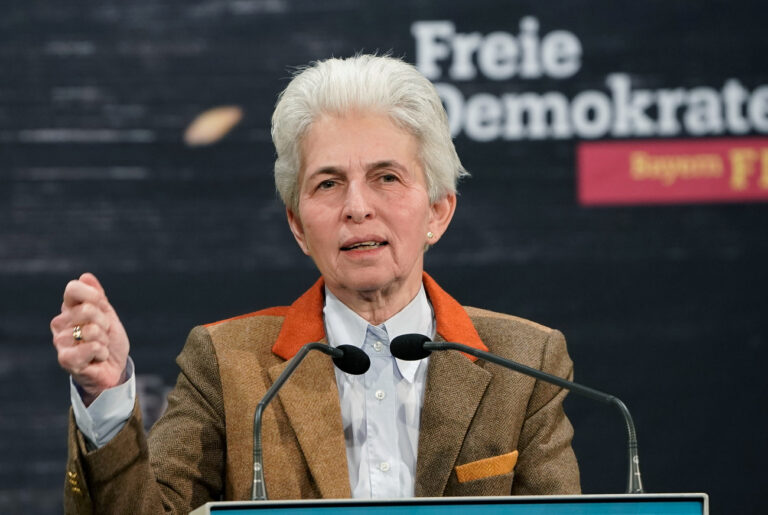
665 306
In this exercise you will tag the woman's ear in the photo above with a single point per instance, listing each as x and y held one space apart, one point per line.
440 217
297 229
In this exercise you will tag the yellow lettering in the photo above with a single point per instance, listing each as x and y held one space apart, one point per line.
742 167
637 165
764 175
668 169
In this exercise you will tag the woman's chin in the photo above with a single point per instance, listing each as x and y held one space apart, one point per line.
369 282
375 280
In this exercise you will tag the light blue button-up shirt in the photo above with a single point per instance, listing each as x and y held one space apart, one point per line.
381 409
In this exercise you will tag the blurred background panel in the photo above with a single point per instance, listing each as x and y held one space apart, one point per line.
134 143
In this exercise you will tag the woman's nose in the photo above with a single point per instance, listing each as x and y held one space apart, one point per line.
357 203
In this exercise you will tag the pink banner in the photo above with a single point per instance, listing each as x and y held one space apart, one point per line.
672 171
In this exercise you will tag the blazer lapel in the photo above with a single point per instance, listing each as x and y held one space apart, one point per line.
311 402
454 389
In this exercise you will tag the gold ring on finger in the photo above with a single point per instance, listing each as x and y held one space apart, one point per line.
77 334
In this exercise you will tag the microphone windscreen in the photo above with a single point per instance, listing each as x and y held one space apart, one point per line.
409 347
353 360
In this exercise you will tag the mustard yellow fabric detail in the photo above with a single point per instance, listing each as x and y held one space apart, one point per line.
494 466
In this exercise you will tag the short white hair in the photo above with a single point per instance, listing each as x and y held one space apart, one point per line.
364 83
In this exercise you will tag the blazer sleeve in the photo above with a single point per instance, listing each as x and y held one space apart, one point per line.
177 468
546 463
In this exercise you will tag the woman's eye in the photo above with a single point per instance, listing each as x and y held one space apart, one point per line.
389 177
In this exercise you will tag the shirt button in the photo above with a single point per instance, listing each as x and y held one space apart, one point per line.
378 346
384 466
380 394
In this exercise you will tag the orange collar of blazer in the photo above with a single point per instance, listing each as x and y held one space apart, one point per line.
304 320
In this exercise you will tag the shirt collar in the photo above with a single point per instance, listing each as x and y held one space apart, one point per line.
302 321
345 327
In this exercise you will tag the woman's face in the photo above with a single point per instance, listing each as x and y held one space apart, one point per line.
364 211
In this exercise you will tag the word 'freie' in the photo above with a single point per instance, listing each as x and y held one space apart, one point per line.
499 55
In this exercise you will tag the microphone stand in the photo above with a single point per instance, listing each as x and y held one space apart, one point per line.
348 358
259 489
635 484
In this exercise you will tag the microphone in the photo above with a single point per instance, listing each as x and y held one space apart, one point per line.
413 347
347 358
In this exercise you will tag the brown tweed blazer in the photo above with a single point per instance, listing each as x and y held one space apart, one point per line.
475 414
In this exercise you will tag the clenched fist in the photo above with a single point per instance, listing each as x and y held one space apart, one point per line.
96 360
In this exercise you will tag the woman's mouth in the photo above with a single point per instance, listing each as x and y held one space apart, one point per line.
365 245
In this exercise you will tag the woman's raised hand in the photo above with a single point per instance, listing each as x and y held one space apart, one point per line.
90 339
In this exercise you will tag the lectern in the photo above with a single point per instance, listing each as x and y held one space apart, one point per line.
620 504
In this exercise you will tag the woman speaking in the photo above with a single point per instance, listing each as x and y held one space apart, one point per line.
367 171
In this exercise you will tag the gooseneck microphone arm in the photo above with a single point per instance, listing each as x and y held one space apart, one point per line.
417 346
348 358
